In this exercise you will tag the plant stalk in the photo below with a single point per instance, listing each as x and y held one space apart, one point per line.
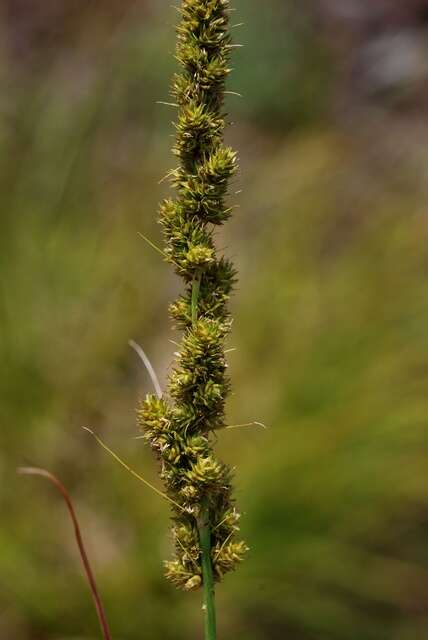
204 526
207 575
35 471
196 285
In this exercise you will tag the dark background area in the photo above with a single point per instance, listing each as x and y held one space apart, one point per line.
330 329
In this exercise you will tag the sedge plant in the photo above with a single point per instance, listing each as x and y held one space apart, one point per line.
179 426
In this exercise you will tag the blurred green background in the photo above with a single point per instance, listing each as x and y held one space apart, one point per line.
330 329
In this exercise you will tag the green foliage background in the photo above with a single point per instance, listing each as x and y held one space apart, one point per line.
330 332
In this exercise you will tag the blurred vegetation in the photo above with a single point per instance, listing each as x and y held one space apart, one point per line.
331 317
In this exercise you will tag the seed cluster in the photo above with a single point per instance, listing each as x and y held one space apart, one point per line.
179 427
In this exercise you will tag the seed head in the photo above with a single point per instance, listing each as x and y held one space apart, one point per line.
179 428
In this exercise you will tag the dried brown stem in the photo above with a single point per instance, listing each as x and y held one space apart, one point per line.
35 471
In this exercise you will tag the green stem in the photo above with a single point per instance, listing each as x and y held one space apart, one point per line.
196 285
204 525
207 574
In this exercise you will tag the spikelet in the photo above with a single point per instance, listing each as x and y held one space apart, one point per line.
179 428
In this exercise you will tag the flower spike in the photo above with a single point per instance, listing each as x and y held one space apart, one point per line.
179 425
